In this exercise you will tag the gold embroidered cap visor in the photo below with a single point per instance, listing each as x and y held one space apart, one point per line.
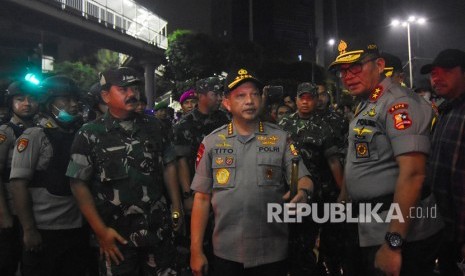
239 76
347 56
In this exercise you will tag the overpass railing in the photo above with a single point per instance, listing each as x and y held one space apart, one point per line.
125 16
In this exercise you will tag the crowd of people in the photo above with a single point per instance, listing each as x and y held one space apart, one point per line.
111 189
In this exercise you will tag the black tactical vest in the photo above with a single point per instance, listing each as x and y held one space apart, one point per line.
54 178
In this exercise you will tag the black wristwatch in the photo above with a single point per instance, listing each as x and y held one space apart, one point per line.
394 240
308 193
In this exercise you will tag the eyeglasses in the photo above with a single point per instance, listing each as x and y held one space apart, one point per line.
354 68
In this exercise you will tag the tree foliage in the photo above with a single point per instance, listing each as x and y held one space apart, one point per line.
106 59
84 74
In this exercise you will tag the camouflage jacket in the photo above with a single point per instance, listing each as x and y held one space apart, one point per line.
123 163
191 129
316 143
338 123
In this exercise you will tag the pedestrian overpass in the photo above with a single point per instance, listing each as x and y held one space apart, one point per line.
119 25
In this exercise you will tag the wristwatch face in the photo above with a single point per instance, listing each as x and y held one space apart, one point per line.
394 240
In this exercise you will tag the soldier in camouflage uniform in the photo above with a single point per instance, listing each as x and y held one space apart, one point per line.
55 241
117 167
337 122
21 98
317 144
194 126
188 134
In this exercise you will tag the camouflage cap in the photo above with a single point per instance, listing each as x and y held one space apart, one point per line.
209 84
353 53
307 87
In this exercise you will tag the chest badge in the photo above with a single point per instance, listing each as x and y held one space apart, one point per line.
219 160
361 132
229 160
222 176
223 143
371 112
362 150
269 173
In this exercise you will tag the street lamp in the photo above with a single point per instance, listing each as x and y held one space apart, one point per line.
411 20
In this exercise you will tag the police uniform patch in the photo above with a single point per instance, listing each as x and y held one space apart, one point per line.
402 121
2 138
219 160
361 150
199 154
293 150
22 144
229 160
397 107
222 176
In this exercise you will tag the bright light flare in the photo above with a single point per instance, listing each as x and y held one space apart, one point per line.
395 22
331 42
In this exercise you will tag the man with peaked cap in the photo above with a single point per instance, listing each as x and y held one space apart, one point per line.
22 101
385 166
120 166
55 241
393 68
446 170
239 170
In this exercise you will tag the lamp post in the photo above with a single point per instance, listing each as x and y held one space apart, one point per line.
411 20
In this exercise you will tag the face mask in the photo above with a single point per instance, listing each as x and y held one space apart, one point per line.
64 116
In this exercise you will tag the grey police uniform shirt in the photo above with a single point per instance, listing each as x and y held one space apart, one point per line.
7 144
32 153
391 122
243 177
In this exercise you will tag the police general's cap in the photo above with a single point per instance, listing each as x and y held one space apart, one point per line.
122 76
393 64
239 76
205 85
307 87
353 52
448 58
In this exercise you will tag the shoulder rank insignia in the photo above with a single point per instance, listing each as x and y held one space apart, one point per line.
402 121
22 144
376 93
2 138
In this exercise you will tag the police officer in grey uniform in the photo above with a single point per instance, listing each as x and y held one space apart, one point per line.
55 242
239 170
388 145
21 98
